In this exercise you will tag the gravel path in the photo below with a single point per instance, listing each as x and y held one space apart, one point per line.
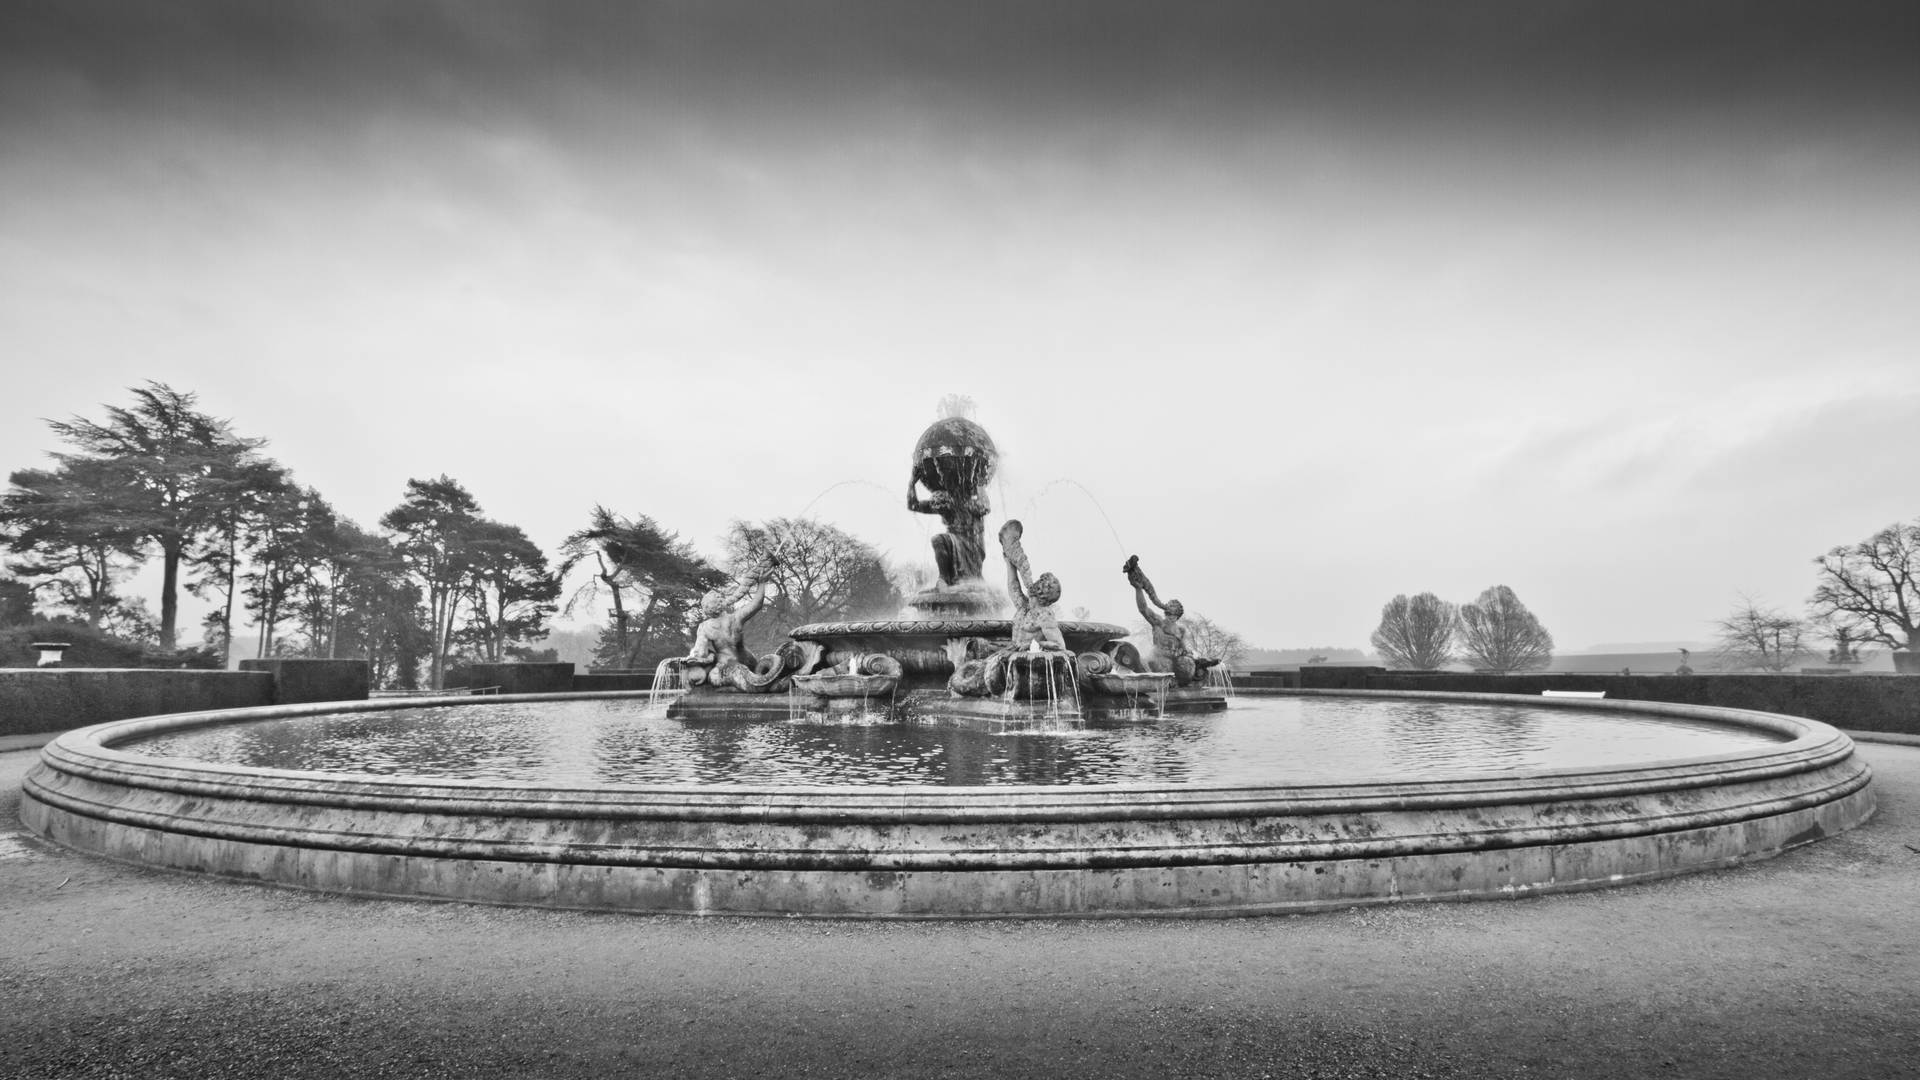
1803 966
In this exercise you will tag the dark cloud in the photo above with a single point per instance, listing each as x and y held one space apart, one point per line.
1404 64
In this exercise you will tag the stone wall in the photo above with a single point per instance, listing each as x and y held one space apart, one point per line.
1888 703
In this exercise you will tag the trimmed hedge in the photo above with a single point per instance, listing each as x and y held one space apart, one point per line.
56 699
1889 703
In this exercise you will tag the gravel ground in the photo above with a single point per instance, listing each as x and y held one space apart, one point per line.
1803 966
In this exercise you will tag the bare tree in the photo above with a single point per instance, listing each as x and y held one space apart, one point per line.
1756 636
1207 638
1417 632
1499 634
1872 589
822 573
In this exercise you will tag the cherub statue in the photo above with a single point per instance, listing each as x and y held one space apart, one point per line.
720 657
1169 637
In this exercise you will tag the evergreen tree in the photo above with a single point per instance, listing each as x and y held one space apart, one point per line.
432 529
509 590
652 578
170 471
70 536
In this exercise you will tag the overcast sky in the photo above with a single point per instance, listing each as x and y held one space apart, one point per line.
1613 303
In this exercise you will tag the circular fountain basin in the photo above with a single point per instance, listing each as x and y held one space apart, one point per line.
1089 830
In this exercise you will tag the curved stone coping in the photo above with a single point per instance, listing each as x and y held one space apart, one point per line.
1807 742
919 852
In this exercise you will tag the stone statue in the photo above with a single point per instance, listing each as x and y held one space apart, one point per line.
954 460
720 658
1035 663
959 551
1033 598
1169 637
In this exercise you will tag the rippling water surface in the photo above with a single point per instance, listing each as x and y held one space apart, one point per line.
1257 741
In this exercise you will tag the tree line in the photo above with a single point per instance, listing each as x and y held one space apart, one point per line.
434 585
1866 594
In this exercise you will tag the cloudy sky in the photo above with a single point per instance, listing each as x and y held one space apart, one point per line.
1617 304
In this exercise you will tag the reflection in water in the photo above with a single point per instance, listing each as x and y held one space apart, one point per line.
1257 741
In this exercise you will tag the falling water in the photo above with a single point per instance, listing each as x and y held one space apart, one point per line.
667 681
1219 676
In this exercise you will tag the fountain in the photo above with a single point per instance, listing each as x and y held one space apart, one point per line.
957 651
976 757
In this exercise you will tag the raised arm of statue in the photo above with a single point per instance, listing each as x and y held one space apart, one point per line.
737 592
1143 593
1015 592
756 598
1016 559
1146 609
938 503
747 586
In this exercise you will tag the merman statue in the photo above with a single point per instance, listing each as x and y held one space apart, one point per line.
720 658
1169 637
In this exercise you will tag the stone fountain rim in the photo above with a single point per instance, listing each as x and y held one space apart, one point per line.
1808 743
918 853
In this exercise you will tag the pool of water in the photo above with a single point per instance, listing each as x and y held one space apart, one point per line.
1256 741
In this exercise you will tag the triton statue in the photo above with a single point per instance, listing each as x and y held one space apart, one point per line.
1169 637
720 658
